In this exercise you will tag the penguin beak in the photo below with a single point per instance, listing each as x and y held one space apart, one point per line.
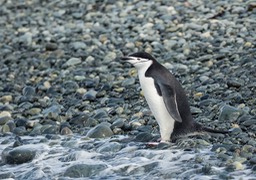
126 58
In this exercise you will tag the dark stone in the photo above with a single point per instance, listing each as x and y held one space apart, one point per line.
4 119
18 155
79 119
84 170
143 137
7 175
29 91
51 47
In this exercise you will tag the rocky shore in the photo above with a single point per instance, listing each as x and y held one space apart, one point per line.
64 92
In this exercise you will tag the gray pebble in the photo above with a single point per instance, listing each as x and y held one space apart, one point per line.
100 131
72 62
128 82
110 147
229 113
5 119
51 47
90 95
78 45
28 91
119 123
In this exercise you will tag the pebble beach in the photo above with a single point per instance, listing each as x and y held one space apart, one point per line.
70 109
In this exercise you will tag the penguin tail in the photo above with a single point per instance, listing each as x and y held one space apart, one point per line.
214 130
199 127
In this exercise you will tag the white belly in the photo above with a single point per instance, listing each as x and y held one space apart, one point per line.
157 106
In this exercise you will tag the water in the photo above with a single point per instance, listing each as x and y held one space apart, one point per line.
132 160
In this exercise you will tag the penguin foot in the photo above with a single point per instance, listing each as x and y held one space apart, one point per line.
159 145
186 143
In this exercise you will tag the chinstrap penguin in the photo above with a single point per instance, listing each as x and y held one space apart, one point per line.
166 98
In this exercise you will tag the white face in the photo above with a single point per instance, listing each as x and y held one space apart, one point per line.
139 63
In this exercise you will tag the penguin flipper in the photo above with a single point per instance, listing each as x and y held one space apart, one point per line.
169 97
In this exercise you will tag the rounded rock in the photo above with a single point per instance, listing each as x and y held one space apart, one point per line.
100 131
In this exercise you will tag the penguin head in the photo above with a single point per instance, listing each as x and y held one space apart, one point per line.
139 60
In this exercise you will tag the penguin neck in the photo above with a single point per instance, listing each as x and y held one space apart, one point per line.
143 68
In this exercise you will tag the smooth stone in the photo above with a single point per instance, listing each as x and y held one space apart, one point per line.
51 129
195 110
28 91
7 175
253 160
90 95
72 62
100 114
5 129
229 113
53 111
70 86
21 130
51 47
80 119
128 82
11 125
110 147
18 155
249 122
235 83
110 57
143 137
5 119
6 99
100 131
34 111
119 123
5 113
26 38
78 45
66 131
21 122
84 170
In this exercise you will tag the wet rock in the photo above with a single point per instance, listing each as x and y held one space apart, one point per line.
18 155
128 82
53 111
79 119
6 99
78 45
84 170
5 119
119 123
34 111
100 114
90 95
7 175
72 62
21 130
229 113
235 83
143 137
100 131
29 91
50 129
66 131
51 47
21 122
110 147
